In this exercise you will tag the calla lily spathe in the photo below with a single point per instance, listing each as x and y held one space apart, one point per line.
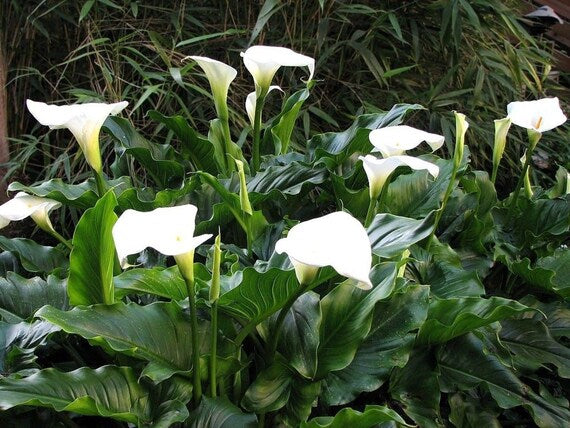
23 205
378 170
395 140
168 230
337 240
219 75
83 120
538 115
264 61
251 102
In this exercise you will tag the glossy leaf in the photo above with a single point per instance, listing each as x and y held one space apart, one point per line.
93 255
270 390
23 297
107 391
33 256
449 318
166 283
220 413
371 416
82 196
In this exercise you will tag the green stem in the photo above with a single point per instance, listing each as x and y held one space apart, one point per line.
494 173
190 288
214 348
274 339
534 138
102 186
224 118
439 212
61 239
249 237
370 213
256 158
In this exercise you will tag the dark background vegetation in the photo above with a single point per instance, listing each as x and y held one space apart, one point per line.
470 56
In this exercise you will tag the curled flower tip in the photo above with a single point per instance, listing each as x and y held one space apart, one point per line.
337 240
395 140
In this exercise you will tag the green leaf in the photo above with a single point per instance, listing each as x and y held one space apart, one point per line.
158 161
108 391
82 196
390 235
18 342
35 257
269 8
93 256
464 364
387 345
220 413
85 9
147 199
166 283
270 390
533 346
372 416
467 412
158 333
23 297
449 318
197 149
304 395
347 318
299 338
416 387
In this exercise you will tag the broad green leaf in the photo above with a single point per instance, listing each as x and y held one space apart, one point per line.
299 338
372 416
557 315
390 235
82 196
219 413
356 201
288 179
467 412
33 256
158 333
18 342
108 391
449 318
166 283
533 346
195 148
464 365
387 345
270 390
416 387
443 269
23 297
93 255
146 199
9 263
159 161
347 318
304 395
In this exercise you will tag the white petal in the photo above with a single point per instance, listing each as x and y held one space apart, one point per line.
263 61
395 140
540 115
4 222
378 170
167 230
337 240
251 102
219 75
83 120
23 205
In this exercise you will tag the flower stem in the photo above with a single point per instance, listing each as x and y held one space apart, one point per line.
370 213
102 186
439 212
188 276
61 239
224 119
274 340
256 158
214 348
534 137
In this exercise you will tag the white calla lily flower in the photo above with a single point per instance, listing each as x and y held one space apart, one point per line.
264 61
219 75
538 115
395 140
168 230
337 240
378 170
23 205
83 120
251 102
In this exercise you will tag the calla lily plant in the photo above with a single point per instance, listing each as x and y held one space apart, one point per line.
395 140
